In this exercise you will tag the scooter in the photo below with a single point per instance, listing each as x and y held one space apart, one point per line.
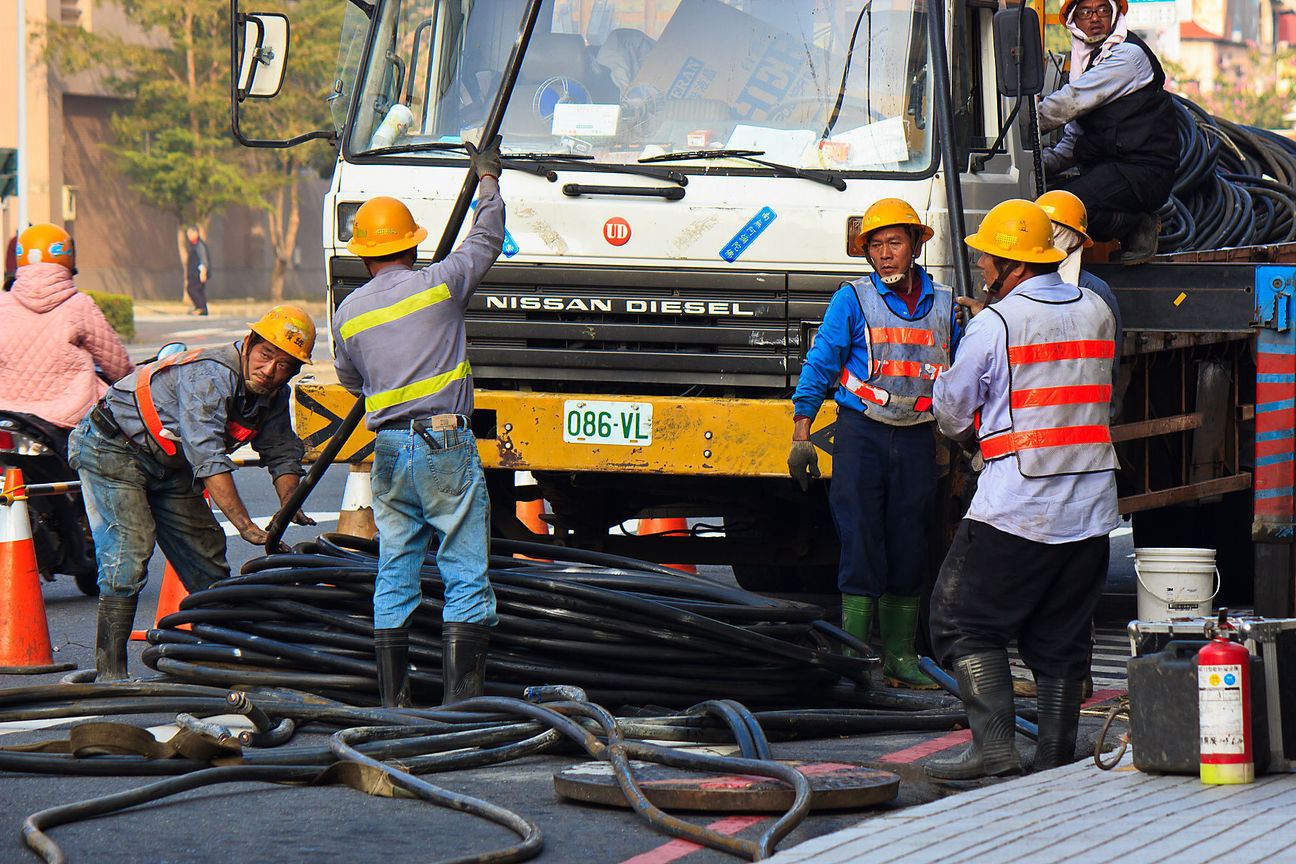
60 528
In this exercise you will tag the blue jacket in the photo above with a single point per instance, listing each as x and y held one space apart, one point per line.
843 336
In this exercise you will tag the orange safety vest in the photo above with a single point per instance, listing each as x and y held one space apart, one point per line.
240 427
1060 359
906 356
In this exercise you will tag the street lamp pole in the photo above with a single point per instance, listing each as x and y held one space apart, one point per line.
21 54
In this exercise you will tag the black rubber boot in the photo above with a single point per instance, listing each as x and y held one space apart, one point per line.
986 687
391 651
463 660
1059 716
1140 243
116 617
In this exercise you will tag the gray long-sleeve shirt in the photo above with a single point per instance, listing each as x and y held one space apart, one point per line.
399 339
1120 72
190 399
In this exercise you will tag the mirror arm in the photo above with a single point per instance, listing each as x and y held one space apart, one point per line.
979 162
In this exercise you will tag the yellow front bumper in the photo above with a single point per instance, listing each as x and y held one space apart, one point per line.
690 436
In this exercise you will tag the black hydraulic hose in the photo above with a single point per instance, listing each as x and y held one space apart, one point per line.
38 823
944 111
490 130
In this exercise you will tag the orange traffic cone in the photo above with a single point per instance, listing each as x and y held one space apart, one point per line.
356 516
169 597
675 525
530 513
24 631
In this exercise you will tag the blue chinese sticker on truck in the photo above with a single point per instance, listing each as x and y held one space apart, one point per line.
748 234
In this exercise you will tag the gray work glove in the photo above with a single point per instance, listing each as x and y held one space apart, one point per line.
485 162
803 463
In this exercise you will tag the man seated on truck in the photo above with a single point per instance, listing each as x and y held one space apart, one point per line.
1120 128
883 340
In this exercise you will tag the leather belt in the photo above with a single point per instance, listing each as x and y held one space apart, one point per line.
435 423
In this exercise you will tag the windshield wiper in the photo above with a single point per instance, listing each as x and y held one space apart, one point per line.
614 167
412 148
815 175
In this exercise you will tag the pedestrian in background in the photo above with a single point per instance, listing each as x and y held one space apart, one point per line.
197 270
884 339
399 342
1032 385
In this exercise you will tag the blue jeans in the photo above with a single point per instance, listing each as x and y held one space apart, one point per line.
134 503
419 492
883 483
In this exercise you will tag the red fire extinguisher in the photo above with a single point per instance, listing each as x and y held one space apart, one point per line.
1224 709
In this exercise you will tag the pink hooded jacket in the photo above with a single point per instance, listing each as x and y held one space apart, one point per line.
51 337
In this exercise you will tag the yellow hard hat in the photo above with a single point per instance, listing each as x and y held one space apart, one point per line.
1019 231
45 244
886 212
384 226
288 328
1066 209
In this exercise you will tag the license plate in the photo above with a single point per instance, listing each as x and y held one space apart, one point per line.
625 423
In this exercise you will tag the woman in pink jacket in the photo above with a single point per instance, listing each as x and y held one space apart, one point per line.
51 335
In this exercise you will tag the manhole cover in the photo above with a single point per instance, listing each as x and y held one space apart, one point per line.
833 786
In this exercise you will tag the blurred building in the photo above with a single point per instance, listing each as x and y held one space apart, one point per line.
123 244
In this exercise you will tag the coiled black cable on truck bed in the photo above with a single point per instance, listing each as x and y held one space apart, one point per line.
1235 186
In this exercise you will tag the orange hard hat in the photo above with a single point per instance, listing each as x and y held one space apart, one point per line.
384 226
1122 6
1065 208
45 244
288 328
1018 230
886 212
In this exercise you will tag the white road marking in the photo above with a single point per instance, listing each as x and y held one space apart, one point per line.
320 516
32 725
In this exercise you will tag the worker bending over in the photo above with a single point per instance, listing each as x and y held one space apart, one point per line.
399 340
159 438
1121 130
1031 385
883 340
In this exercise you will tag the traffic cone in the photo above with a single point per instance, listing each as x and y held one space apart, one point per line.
530 513
169 597
24 631
670 525
356 517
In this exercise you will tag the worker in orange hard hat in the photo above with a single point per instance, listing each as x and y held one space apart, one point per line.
161 437
1119 128
884 339
1030 388
399 342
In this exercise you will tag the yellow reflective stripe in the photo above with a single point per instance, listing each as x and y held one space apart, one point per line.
426 387
399 309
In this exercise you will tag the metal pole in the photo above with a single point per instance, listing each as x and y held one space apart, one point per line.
493 122
20 53
949 159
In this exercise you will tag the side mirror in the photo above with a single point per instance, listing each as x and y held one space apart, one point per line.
171 348
265 55
1019 56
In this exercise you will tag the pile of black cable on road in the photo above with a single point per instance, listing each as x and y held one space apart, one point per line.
627 632
1235 186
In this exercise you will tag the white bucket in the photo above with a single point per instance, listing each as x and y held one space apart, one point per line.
1175 583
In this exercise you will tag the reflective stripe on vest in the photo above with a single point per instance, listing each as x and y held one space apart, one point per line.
907 355
1060 386
417 390
399 309
144 398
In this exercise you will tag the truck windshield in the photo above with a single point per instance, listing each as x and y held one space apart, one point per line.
837 84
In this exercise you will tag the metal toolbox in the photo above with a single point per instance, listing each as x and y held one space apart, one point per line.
1273 640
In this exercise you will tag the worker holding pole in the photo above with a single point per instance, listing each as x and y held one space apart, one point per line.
399 342
1031 386
884 339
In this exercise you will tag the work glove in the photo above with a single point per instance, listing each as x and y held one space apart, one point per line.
485 162
803 463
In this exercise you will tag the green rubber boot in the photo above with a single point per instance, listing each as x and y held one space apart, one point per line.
857 618
898 619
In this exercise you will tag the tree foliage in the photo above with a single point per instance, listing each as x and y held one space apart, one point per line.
1262 96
